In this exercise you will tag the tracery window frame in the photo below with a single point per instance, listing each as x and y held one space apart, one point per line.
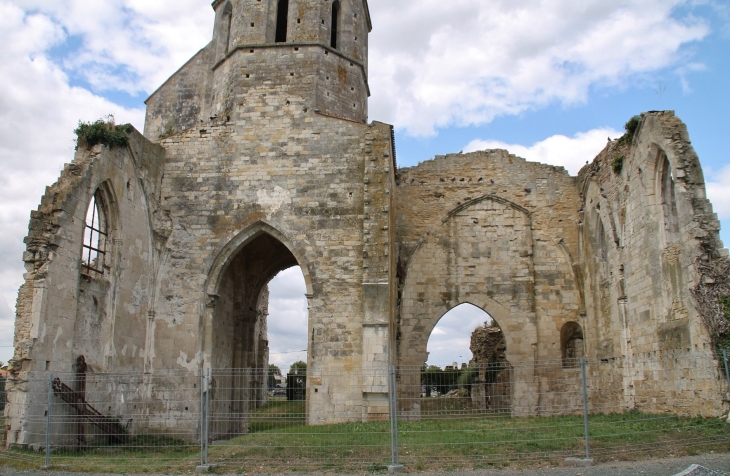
95 237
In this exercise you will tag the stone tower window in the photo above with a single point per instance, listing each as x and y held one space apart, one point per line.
669 200
282 18
571 344
227 20
93 257
335 23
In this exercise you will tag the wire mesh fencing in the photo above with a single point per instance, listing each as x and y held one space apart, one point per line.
3 397
485 416
496 414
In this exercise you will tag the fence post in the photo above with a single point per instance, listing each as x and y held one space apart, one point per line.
395 466
202 417
585 406
207 416
48 422
727 372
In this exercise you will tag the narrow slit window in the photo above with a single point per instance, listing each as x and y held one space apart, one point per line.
227 20
93 256
282 18
669 201
335 24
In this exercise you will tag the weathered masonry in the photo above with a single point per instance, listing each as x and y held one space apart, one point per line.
257 156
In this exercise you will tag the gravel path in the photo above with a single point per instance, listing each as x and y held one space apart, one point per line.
710 465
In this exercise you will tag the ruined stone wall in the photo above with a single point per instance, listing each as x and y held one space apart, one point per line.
643 232
64 312
498 232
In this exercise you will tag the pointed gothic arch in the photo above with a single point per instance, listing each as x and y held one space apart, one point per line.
668 198
96 253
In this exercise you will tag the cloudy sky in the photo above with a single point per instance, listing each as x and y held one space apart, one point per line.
547 79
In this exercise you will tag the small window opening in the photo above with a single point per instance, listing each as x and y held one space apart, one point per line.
571 344
95 238
282 17
669 201
601 240
335 23
227 20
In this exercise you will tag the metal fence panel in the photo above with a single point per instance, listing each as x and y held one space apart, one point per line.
480 417
252 427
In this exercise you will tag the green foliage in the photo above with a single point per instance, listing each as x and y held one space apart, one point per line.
102 132
442 381
618 164
467 377
630 128
271 375
298 368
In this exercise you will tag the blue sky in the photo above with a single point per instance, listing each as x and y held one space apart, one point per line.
549 80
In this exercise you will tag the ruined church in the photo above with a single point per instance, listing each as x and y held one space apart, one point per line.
257 156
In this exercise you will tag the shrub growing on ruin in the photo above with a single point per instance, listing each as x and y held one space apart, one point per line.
618 164
630 128
102 132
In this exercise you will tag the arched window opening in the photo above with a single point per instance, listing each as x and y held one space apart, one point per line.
669 201
282 19
94 251
467 332
227 21
571 344
335 23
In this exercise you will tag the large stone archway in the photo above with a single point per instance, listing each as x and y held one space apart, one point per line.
236 337
481 255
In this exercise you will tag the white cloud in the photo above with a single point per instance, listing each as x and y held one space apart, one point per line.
718 185
38 110
128 45
435 64
450 339
560 150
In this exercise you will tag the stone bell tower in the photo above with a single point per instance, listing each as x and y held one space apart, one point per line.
312 50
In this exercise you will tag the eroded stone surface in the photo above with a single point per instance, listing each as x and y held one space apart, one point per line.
256 157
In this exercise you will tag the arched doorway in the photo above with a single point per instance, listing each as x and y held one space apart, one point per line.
467 359
237 325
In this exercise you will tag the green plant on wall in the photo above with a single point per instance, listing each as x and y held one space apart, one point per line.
630 127
618 164
102 132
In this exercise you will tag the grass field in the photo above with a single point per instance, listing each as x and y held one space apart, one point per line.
279 440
